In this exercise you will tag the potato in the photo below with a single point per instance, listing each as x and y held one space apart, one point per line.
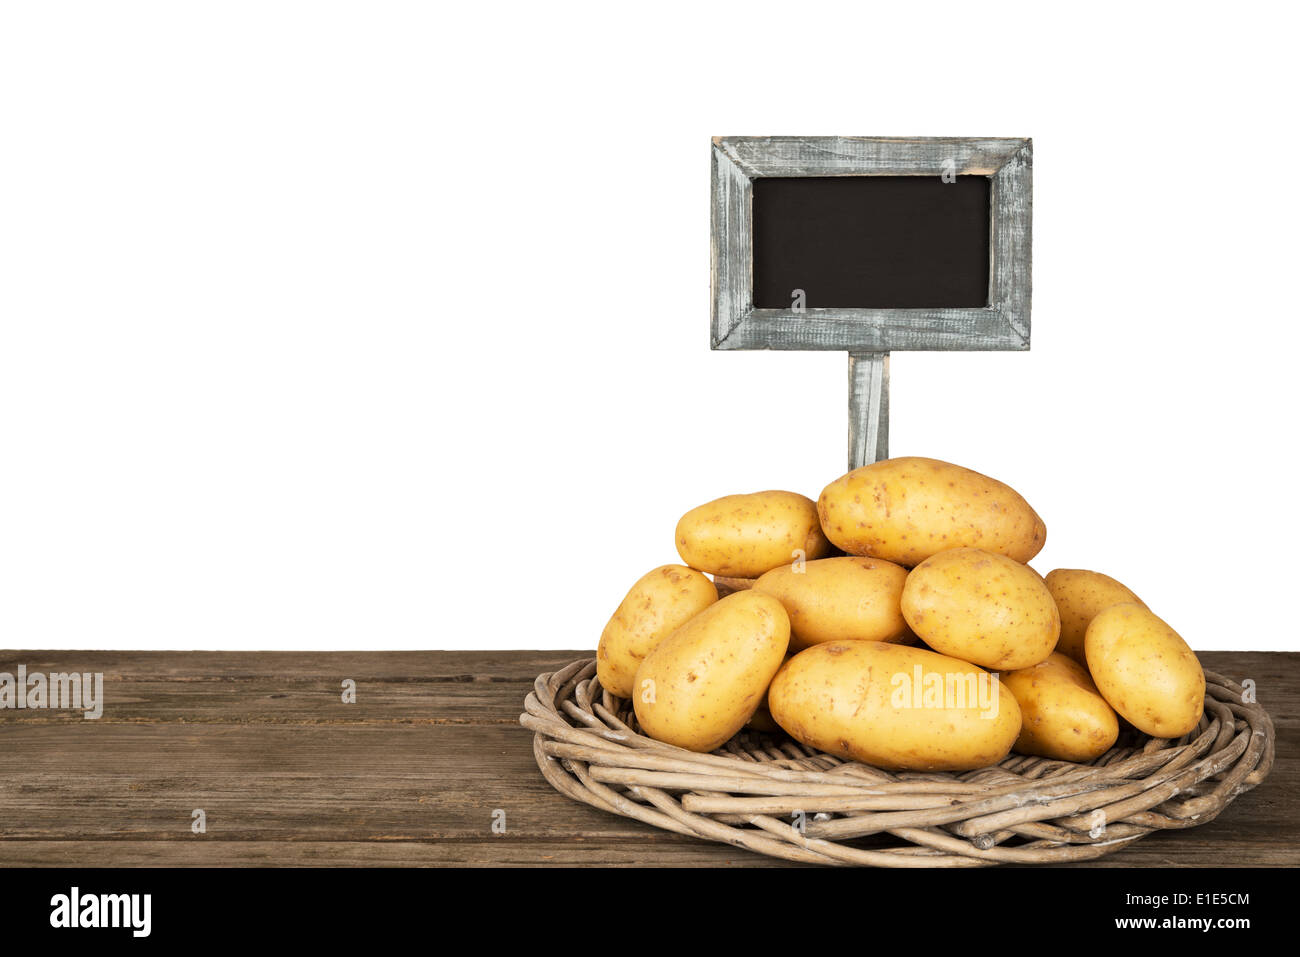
1080 595
1063 714
661 601
983 608
1145 670
743 536
708 677
894 707
761 720
836 599
904 510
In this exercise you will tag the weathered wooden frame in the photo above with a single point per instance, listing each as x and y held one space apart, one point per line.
869 335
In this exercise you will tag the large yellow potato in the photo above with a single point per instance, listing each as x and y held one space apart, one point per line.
1080 596
836 599
894 707
743 536
904 510
706 679
1145 670
1063 714
657 605
983 608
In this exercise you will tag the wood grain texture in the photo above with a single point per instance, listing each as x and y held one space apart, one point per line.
851 155
408 775
732 247
868 408
1004 324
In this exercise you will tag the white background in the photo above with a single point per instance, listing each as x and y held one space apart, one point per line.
275 371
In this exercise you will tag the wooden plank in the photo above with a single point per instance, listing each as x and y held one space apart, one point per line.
412 773
391 687
429 686
730 248
318 700
1197 848
199 666
1011 258
884 155
260 782
875 330
571 852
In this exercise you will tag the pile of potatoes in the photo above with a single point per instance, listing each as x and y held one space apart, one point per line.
893 621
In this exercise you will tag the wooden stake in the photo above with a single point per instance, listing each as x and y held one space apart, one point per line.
868 408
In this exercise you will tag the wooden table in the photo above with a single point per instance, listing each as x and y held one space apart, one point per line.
415 772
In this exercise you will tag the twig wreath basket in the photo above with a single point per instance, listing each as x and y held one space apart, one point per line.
771 795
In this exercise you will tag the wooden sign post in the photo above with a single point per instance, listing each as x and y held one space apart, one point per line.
870 245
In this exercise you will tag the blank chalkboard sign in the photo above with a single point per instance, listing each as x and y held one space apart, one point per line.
870 245
881 242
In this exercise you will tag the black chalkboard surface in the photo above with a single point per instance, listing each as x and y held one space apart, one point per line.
884 242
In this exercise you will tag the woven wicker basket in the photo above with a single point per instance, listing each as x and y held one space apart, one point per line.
770 794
